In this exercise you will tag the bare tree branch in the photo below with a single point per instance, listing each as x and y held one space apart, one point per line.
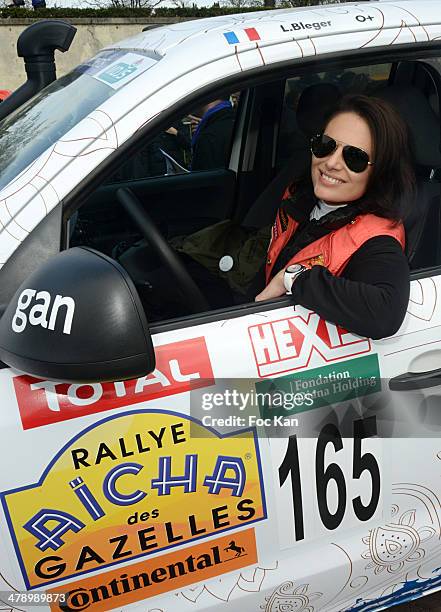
183 4
133 4
240 4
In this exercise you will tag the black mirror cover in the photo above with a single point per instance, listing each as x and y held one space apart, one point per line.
78 318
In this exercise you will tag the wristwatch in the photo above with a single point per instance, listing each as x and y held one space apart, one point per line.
291 273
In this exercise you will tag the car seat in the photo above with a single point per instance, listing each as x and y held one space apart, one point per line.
314 104
423 224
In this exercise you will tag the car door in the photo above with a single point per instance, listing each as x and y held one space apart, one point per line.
387 560
185 495
410 362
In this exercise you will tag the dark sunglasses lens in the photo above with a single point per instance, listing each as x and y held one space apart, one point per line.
322 145
356 159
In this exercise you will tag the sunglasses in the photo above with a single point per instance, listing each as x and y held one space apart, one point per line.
355 158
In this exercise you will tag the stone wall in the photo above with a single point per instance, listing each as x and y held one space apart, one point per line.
92 35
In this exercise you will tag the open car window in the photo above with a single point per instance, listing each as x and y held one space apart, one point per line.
181 182
203 251
195 142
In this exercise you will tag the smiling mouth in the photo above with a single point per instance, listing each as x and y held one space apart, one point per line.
330 179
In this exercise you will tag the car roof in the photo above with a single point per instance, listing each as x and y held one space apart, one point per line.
238 32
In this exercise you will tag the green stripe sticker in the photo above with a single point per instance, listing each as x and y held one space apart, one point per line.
311 389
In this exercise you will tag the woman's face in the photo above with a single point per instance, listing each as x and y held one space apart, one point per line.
333 182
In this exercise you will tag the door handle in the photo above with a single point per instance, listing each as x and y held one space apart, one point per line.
411 381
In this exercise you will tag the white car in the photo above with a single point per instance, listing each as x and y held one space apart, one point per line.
184 485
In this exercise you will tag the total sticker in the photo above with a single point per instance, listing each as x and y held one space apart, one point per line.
180 366
109 497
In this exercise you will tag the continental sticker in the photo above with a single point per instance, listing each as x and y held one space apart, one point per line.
155 576
132 485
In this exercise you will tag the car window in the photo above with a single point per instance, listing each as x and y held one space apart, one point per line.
414 88
200 140
36 125
191 214
181 180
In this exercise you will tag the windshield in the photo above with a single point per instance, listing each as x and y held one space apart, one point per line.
36 125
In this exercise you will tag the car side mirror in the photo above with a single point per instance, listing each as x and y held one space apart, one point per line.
78 318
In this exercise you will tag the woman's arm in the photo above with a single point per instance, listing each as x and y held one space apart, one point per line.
369 299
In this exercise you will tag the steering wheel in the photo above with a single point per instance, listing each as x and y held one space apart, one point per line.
191 293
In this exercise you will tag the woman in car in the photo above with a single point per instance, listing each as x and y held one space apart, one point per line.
338 239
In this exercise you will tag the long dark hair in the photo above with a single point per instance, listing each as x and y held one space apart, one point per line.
391 187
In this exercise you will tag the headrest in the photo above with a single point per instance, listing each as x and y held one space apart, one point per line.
423 124
314 104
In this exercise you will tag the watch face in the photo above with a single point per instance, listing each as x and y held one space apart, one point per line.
294 269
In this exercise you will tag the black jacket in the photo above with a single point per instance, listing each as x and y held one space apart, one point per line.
212 147
371 296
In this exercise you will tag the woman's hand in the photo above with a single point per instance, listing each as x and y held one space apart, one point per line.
274 289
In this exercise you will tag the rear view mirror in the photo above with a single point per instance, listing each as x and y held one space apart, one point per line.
78 318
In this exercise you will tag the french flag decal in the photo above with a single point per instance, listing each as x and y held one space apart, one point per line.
240 36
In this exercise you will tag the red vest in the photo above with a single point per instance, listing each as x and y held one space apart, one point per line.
336 248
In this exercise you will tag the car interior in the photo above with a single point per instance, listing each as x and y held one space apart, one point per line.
145 217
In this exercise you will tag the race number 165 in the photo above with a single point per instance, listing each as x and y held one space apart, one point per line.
329 474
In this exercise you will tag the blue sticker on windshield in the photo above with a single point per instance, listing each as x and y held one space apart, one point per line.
124 69
118 72
99 62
